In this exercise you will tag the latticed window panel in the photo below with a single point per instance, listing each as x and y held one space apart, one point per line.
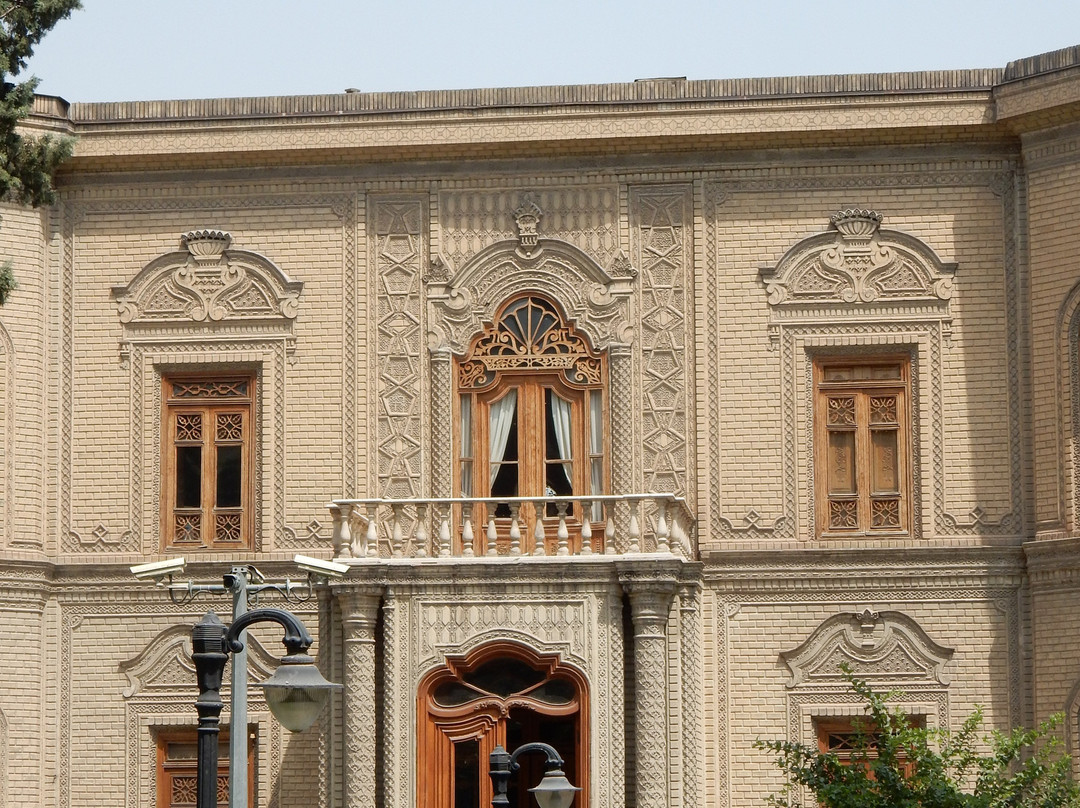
841 411
189 426
883 409
885 513
184 790
230 388
187 528
861 447
227 527
230 426
843 514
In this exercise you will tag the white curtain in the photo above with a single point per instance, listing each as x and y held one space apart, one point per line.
560 415
501 416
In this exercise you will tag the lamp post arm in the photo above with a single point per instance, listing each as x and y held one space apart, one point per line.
296 639
503 764
554 759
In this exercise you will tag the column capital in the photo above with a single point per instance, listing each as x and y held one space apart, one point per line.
650 603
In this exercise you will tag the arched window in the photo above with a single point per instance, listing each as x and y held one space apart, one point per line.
501 694
531 415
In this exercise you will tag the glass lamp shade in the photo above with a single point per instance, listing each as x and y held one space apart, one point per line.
297 692
554 791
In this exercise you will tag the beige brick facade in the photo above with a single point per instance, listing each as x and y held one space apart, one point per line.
694 234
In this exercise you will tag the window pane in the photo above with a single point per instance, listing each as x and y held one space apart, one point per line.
885 474
466 426
466 478
841 462
188 476
596 424
559 427
229 462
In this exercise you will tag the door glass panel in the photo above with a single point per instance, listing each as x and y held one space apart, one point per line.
467 774
188 476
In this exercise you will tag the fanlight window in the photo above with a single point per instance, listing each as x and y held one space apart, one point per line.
531 414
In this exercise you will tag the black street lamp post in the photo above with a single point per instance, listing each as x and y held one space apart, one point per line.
554 790
295 693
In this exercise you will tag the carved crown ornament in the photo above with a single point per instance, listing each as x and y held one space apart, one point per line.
206 281
857 262
885 646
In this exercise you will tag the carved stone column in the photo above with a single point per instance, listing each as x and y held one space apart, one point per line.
359 612
442 427
692 682
650 604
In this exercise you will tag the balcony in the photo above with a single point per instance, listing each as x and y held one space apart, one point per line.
458 527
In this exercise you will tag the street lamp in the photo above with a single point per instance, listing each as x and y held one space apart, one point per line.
554 791
245 583
295 693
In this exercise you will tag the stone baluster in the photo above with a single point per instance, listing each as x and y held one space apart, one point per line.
515 528
492 535
633 530
340 535
539 534
467 530
562 533
371 535
663 533
586 527
359 614
445 542
420 535
397 537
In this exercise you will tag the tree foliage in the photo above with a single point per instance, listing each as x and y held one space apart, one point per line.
898 765
27 163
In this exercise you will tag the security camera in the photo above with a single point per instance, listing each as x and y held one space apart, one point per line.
159 569
316 566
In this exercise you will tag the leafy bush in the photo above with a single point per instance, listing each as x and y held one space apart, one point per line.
897 765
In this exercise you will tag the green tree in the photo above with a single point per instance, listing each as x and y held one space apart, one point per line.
27 163
898 765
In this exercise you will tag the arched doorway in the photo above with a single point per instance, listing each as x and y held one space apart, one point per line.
502 693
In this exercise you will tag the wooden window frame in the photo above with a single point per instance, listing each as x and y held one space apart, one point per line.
170 769
825 728
207 397
873 512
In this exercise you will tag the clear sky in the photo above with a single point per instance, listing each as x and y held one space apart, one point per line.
116 50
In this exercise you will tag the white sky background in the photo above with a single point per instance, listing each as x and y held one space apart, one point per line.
119 50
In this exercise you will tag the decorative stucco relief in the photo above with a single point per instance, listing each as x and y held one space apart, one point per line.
462 304
662 239
471 220
164 667
397 254
857 262
547 623
876 646
207 281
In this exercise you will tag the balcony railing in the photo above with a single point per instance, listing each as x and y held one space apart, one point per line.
484 527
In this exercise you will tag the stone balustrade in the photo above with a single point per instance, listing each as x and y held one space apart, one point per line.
461 527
